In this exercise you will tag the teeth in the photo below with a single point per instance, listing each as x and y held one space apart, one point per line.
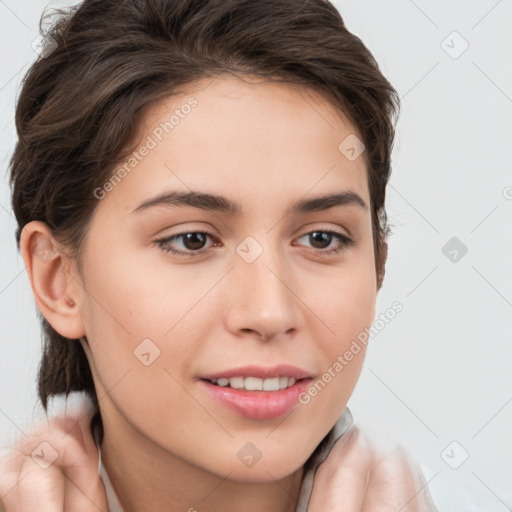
253 384
271 384
236 382
256 384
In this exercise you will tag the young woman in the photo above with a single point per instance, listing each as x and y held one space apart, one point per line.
199 188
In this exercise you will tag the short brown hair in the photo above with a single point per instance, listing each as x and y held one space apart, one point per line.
79 108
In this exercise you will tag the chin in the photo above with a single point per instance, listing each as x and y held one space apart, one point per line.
263 474
261 468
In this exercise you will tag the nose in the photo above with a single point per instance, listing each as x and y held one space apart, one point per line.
262 299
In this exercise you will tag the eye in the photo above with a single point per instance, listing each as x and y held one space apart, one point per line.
321 241
193 242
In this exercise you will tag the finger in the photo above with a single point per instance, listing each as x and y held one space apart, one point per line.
31 488
397 483
341 480
79 461
59 466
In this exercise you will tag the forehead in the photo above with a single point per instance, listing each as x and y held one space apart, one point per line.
251 137
226 100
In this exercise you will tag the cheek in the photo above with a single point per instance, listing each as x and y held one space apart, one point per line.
346 304
143 315
140 298
347 307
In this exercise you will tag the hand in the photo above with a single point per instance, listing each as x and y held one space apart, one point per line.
355 477
61 474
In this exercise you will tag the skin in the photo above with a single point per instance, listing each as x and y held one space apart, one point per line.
168 445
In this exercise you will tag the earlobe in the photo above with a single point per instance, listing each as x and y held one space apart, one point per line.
55 290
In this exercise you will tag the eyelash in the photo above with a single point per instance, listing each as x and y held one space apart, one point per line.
344 241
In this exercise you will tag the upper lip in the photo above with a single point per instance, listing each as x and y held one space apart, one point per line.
281 370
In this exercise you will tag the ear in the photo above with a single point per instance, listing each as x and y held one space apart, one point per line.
54 281
381 270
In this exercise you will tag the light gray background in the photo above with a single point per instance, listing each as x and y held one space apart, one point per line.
441 371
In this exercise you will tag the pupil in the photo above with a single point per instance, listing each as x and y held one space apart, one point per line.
321 237
194 240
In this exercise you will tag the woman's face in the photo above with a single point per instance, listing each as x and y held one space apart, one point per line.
255 295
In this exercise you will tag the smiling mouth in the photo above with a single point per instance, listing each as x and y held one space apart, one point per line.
254 383
257 392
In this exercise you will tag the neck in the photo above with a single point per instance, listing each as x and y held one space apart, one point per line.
146 478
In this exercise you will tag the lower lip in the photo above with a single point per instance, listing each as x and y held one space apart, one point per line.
259 405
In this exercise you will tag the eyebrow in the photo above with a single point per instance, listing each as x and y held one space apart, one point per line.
219 203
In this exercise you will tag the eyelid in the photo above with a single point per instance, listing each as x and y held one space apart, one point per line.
167 239
324 226
344 242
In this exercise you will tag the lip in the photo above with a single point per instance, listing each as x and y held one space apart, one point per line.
280 370
259 405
